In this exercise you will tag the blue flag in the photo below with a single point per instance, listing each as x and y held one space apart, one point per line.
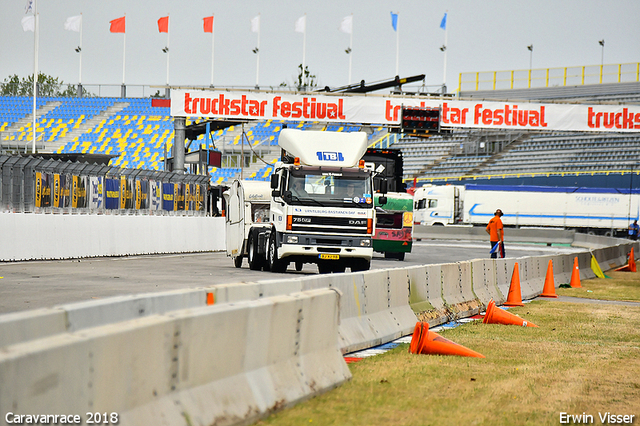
443 23
394 21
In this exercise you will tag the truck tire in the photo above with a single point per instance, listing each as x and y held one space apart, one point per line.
255 259
298 265
358 265
400 256
275 264
237 261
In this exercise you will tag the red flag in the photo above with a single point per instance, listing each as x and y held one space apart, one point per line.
117 25
208 24
163 24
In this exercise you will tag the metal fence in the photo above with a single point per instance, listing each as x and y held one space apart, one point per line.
34 185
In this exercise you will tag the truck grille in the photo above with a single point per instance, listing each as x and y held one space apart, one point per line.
329 225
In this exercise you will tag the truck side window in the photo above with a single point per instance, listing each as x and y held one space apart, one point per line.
433 204
420 204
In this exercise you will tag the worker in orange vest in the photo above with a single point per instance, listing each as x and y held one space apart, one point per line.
496 235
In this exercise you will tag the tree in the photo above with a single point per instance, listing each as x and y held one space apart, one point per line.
305 81
47 86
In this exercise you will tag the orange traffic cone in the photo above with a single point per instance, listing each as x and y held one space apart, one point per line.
419 334
435 344
514 298
631 265
549 289
575 275
496 315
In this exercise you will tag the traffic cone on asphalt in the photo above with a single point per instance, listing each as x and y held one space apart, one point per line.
631 265
514 298
549 289
426 342
419 334
575 275
495 315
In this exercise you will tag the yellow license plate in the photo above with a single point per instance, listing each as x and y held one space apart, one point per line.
326 256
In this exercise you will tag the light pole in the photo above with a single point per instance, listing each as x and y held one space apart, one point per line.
530 48
601 43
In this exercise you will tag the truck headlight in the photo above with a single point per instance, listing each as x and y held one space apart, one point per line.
291 239
365 243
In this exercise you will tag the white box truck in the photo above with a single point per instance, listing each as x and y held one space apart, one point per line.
317 208
605 211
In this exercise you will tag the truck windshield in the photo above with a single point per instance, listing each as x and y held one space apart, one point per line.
314 188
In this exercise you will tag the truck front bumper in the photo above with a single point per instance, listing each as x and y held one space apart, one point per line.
313 246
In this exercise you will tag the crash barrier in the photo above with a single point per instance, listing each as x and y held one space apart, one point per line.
36 185
373 309
53 236
221 364
374 306
514 235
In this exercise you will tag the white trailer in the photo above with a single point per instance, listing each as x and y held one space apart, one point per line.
600 210
317 208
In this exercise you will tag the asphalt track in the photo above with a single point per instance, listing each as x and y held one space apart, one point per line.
39 284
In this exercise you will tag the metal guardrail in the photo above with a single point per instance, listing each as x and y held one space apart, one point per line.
35 185
549 77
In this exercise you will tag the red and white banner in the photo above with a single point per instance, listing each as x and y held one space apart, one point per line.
382 110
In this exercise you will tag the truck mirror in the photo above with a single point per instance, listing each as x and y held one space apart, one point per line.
383 186
274 181
382 201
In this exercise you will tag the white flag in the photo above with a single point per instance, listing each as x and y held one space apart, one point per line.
255 24
29 23
301 24
73 23
346 26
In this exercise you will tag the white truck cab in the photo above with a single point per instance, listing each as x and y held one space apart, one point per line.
321 207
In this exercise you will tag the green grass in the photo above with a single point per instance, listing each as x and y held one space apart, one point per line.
583 358
621 286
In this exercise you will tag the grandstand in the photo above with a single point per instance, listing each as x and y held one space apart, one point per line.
139 136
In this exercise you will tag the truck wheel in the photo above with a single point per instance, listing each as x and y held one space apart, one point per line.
298 266
400 256
255 261
237 261
360 265
275 264
324 268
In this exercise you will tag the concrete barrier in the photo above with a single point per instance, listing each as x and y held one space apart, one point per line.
457 289
57 236
29 325
483 276
225 364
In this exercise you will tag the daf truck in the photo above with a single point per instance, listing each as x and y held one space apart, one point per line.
318 207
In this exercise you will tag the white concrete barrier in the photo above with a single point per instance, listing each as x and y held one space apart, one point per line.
225 364
29 325
57 236
483 276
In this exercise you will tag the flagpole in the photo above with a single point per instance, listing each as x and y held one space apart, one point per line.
444 72
124 50
398 46
212 46
350 48
168 52
258 56
35 73
304 53
80 52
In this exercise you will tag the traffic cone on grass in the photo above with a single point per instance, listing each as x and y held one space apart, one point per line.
575 275
419 334
549 289
631 265
426 342
495 315
514 298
